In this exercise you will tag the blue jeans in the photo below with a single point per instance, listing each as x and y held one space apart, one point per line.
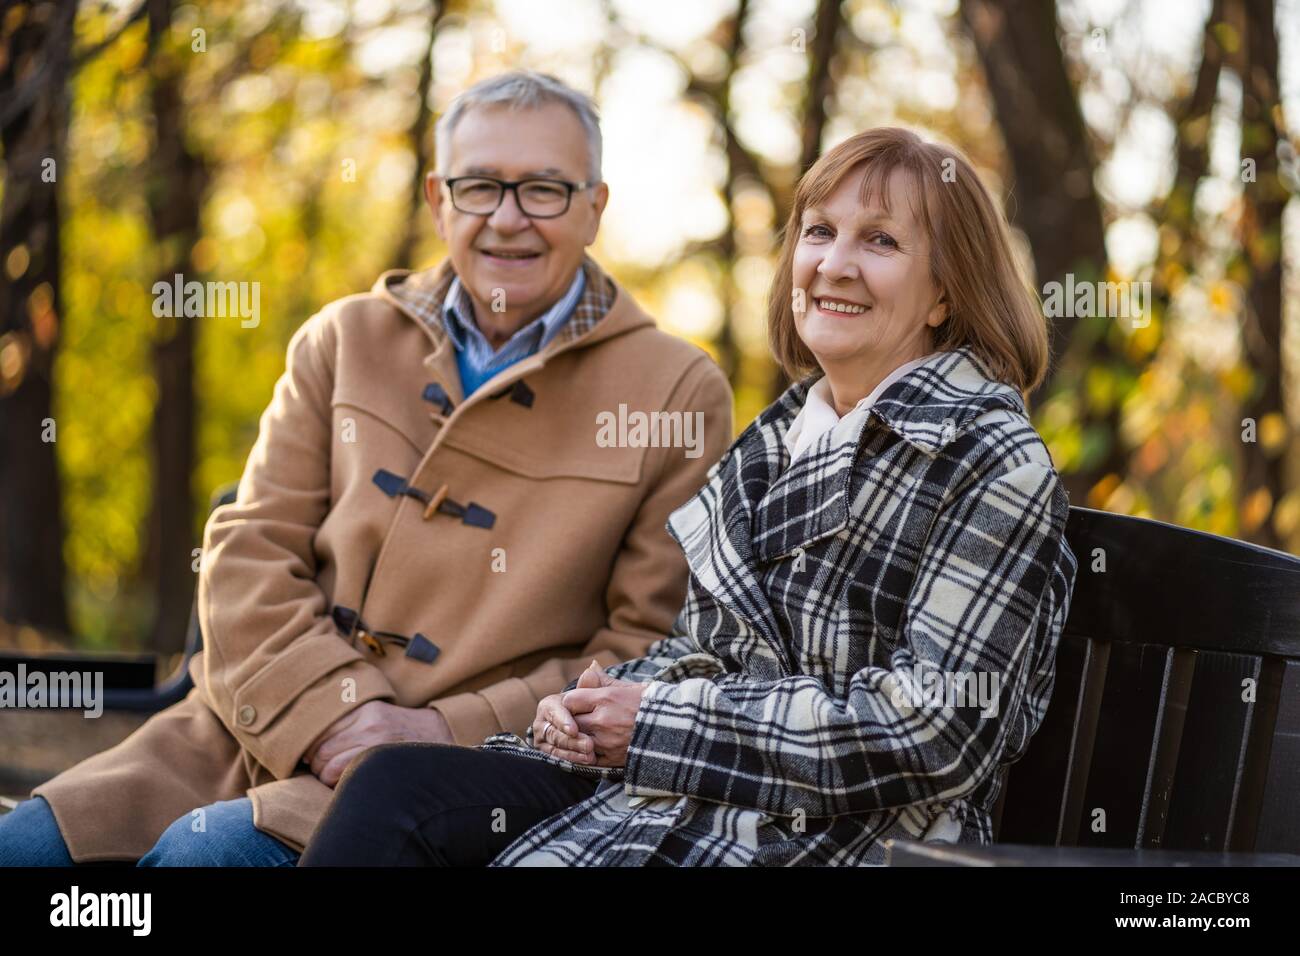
221 834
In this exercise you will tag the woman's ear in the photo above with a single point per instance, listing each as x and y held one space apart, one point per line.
938 312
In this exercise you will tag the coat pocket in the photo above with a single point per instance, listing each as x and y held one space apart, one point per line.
354 417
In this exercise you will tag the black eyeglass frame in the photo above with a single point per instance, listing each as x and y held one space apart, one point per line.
513 186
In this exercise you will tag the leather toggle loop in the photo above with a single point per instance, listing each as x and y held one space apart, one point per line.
435 394
519 393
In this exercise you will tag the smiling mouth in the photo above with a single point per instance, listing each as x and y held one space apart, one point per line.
512 255
841 308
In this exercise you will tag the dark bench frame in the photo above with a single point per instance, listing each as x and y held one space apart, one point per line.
1146 721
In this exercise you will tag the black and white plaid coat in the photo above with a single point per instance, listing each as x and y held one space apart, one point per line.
788 719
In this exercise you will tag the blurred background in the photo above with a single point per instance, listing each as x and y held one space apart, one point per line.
283 142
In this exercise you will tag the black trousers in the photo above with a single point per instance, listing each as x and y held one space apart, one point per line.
436 805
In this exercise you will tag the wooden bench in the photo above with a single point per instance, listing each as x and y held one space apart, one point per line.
1174 723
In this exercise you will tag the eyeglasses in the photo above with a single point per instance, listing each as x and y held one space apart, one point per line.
537 198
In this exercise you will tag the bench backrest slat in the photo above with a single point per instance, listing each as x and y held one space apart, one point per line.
1279 812
1206 787
1176 707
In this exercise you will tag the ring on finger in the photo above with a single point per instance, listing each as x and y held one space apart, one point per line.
546 730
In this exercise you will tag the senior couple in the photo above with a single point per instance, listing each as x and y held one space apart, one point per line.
445 626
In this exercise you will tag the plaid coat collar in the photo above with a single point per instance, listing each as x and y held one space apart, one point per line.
928 407
766 508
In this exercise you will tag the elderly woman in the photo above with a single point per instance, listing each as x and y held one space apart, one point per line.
879 577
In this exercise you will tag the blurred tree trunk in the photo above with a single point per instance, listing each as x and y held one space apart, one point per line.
177 181
821 53
743 167
1192 147
35 67
816 110
718 97
419 134
1051 161
1180 240
1264 197
1057 206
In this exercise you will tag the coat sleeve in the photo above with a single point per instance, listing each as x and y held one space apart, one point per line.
990 596
662 654
647 582
275 669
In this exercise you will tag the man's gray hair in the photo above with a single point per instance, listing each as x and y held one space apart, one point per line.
520 89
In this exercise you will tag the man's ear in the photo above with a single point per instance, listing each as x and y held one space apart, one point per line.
433 196
599 199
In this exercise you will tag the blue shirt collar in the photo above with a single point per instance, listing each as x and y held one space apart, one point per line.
458 319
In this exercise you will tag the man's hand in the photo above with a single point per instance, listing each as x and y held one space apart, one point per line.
602 710
373 723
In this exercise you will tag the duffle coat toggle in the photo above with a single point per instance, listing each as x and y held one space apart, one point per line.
418 647
474 515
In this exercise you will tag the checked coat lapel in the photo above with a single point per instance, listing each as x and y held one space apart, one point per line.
715 530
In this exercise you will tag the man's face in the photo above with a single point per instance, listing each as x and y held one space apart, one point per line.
513 266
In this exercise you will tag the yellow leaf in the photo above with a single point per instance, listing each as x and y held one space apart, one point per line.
1286 516
1273 432
1100 493
1255 509
1238 380
1223 296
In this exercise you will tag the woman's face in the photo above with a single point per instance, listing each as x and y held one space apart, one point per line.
864 299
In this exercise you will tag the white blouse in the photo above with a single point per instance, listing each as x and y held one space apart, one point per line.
818 415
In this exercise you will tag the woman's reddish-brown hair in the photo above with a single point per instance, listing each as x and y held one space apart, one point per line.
991 305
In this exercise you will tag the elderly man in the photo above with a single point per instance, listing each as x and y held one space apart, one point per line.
429 535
